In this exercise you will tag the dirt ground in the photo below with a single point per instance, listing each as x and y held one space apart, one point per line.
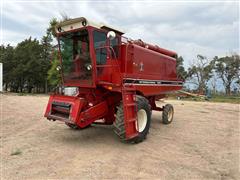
201 143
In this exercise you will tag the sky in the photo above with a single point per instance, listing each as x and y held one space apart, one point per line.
202 27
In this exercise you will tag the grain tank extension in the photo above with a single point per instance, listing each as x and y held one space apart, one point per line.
109 79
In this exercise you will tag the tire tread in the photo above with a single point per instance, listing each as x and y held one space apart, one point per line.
119 127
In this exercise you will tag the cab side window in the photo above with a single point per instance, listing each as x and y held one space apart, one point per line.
99 39
115 45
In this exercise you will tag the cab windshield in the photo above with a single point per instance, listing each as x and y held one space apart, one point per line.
76 61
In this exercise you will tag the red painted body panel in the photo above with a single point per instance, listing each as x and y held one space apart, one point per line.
142 63
76 104
78 113
152 65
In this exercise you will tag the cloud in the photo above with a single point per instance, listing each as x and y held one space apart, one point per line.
189 28
13 37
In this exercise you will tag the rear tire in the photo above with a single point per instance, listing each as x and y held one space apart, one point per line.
167 114
143 121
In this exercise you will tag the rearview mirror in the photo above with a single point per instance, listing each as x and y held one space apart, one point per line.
111 35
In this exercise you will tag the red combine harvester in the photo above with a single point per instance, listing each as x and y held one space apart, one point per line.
112 78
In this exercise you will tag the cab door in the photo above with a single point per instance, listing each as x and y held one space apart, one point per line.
101 55
106 57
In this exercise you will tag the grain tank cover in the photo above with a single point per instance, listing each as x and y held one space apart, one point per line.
155 48
80 22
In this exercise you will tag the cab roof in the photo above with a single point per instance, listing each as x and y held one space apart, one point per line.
76 23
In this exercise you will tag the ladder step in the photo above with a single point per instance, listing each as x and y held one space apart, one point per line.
131 120
131 104
132 136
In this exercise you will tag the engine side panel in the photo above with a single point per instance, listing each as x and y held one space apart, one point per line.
150 72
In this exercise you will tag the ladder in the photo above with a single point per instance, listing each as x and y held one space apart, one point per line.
130 111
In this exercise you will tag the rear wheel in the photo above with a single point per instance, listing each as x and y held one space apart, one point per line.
167 114
142 123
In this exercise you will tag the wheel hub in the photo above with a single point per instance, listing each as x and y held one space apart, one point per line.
170 115
141 120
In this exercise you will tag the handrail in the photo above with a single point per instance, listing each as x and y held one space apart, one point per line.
110 47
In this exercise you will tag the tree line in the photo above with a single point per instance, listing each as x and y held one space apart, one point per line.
25 66
28 67
31 65
202 70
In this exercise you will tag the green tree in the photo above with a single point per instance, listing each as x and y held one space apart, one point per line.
51 29
28 66
46 43
200 72
7 54
181 73
53 22
54 76
28 71
228 70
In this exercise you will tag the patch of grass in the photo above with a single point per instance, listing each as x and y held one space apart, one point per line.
16 152
21 94
29 94
227 99
216 98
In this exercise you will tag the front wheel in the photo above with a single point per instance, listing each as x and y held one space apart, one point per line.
142 123
167 114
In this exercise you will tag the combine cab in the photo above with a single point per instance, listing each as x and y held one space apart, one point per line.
109 77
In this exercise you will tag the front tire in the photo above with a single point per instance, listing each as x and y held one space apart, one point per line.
142 123
167 114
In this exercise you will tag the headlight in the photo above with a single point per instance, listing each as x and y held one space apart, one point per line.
89 67
70 91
